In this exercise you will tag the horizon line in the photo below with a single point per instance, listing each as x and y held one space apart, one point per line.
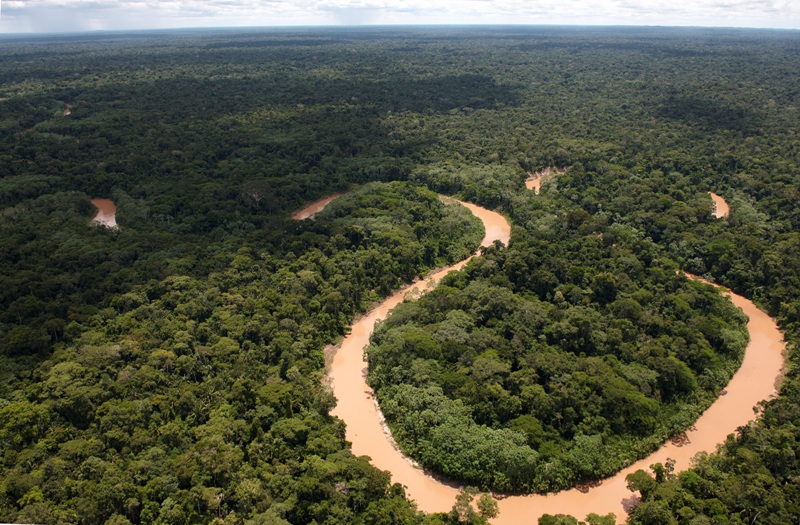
384 26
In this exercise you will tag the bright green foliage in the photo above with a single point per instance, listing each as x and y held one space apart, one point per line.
464 513
558 519
565 519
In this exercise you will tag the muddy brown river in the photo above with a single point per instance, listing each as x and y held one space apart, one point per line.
106 213
314 208
755 381
721 208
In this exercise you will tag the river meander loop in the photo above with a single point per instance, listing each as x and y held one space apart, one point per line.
753 382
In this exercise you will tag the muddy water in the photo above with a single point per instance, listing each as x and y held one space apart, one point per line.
356 405
106 213
314 208
721 208
755 381
535 180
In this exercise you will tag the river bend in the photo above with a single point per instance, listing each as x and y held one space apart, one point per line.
753 382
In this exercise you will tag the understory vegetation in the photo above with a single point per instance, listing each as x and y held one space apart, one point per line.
170 371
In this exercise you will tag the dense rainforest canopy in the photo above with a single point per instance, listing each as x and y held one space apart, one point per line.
170 371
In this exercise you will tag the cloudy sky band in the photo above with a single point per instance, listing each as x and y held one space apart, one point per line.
82 15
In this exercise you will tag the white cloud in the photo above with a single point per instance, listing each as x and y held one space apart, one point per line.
76 15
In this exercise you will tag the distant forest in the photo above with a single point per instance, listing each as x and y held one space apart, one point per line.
172 370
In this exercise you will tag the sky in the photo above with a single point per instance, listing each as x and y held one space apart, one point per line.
38 16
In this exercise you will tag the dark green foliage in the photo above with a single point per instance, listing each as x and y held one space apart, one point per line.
591 519
186 398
